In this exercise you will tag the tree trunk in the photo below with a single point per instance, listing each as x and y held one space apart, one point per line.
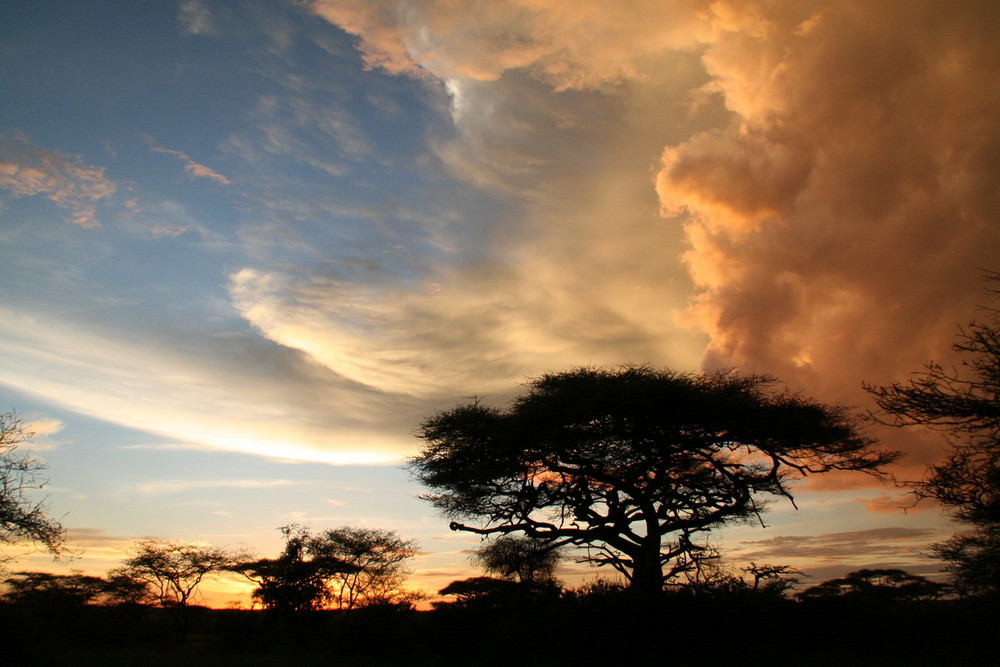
647 572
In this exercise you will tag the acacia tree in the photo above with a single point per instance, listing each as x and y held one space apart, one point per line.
965 403
526 559
295 581
172 571
44 589
876 585
21 517
632 463
375 565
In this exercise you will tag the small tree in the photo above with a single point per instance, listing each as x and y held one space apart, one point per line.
965 403
634 463
772 579
21 517
376 565
481 592
528 560
172 572
295 581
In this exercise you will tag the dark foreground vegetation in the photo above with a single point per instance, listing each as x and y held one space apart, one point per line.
603 628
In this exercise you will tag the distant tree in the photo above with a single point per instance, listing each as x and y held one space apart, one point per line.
709 576
481 591
876 585
172 571
295 581
632 463
44 589
375 561
773 579
21 517
965 403
122 590
525 559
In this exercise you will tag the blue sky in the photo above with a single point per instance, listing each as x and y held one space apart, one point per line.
246 246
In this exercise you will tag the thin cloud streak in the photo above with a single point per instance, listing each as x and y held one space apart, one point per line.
175 486
192 168
189 398
890 542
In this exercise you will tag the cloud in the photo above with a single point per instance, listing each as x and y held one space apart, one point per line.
192 168
27 170
836 225
833 214
195 18
901 503
876 543
541 247
205 395
170 486
44 430
580 44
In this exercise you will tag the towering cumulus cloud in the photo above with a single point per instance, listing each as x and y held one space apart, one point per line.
836 225
831 167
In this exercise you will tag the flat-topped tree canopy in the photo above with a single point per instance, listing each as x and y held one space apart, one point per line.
633 463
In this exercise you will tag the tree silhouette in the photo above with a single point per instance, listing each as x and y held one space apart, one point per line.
876 585
964 402
172 572
22 518
519 557
632 463
375 565
44 589
294 582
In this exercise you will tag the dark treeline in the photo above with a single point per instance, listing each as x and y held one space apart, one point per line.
604 625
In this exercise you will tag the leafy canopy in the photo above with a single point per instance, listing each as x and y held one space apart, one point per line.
632 463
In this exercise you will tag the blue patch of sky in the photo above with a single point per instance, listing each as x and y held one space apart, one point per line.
347 188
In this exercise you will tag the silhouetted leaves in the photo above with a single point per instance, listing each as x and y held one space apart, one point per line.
23 518
634 463
965 402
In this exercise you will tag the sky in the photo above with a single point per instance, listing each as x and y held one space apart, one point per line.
247 246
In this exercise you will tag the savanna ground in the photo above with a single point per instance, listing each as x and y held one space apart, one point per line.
676 630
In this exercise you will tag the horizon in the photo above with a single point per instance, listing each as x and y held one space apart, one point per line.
249 246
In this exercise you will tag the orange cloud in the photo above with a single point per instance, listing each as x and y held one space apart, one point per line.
876 543
902 503
27 170
192 168
836 227
567 43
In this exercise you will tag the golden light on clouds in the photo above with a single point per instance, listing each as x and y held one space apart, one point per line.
833 216
27 170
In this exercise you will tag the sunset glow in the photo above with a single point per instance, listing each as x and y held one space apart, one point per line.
247 247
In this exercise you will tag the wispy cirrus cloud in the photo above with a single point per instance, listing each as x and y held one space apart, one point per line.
870 545
44 431
192 396
28 170
171 486
196 18
191 168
